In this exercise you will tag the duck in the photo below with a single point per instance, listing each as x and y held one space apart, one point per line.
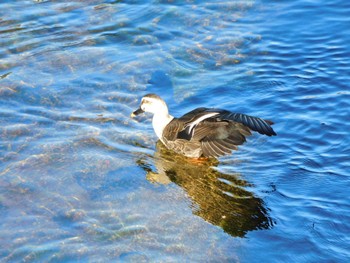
202 132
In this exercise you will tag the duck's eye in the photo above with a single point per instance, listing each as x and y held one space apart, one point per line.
144 104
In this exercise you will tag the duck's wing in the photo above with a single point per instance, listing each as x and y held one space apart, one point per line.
218 131
191 120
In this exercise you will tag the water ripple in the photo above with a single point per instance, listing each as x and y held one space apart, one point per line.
81 181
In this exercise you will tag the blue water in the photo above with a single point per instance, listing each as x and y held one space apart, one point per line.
81 181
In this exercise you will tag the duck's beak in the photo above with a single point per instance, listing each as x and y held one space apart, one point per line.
136 112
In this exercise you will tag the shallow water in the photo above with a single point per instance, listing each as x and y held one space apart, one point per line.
80 180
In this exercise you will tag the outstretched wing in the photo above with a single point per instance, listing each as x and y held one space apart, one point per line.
218 131
191 120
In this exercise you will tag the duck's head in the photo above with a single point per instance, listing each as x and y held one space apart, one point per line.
151 103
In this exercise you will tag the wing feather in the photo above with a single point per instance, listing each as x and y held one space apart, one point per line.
223 146
205 150
231 145
209 152
254 123
215 148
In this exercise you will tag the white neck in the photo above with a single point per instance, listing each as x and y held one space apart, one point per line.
160 120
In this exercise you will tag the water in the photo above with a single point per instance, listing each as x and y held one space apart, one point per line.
81 181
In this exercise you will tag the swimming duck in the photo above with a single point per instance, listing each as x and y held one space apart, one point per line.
202 132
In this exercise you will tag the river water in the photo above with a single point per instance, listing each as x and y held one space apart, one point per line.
81 181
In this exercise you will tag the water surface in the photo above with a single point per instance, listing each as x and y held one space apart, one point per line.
81 181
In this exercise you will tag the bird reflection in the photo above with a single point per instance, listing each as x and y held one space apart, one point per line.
221 199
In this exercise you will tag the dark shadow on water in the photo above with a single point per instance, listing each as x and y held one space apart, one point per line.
221 199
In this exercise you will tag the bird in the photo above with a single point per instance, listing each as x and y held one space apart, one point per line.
202 132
